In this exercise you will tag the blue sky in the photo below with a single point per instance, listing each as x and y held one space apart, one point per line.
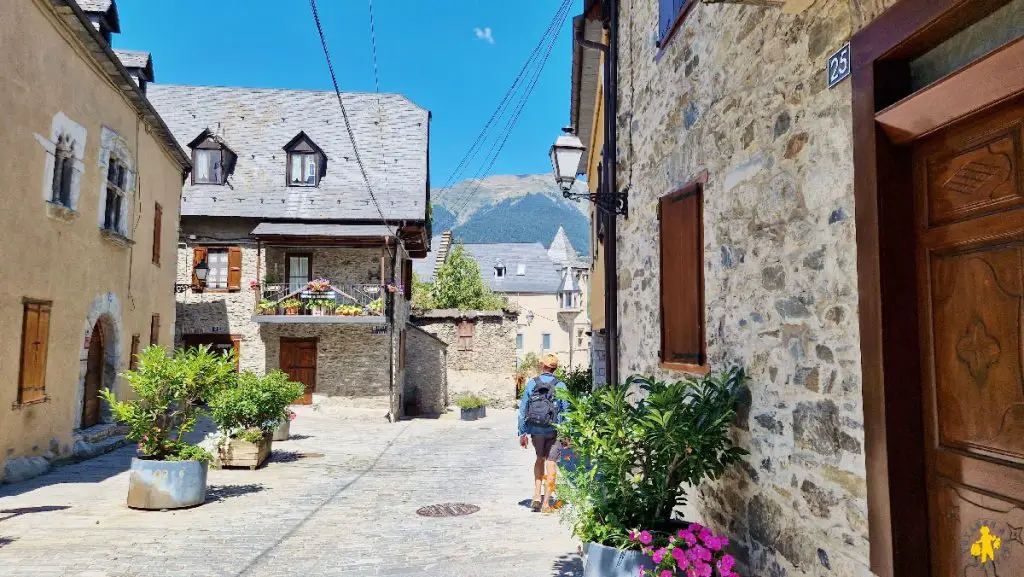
438 53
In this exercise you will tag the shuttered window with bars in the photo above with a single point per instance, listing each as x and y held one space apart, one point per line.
224 268
682 278
465 335
35 336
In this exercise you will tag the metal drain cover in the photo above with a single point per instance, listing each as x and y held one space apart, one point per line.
447 510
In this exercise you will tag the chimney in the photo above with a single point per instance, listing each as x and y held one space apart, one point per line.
442 250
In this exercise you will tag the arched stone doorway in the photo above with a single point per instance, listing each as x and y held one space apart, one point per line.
93 378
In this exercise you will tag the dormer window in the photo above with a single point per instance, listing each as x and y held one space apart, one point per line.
307 163
499 269
212 160
521 269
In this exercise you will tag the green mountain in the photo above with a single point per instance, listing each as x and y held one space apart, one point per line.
523 208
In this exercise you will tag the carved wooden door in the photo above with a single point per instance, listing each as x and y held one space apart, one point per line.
969 183
298 359
93 378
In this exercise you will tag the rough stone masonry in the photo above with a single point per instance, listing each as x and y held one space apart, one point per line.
740 91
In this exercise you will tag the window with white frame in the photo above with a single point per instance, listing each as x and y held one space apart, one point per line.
545 342
64 164
519 341
116 201
217 276
63 170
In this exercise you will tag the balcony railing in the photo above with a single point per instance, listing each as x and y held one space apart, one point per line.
321 300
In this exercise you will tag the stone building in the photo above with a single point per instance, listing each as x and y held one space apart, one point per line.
481 354
548 288
426 376
279 220
853 243
92 186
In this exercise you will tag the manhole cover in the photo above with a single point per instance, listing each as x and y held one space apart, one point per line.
447 510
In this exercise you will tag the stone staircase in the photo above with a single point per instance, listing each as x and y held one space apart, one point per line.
97 440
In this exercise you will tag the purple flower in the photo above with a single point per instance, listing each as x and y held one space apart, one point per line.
705 534
715 543
632 535
695 527
702 553
702 569
645 537
659 555
688 537
678 554
726 563
666 573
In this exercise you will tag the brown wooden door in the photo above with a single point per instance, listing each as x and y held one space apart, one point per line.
93 378
298 359
969 182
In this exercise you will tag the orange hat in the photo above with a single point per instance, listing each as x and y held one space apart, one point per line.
549 361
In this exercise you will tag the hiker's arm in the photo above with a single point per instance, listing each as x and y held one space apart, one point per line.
522 407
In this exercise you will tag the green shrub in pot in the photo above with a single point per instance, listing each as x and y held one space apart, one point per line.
641 446
470 401
255 406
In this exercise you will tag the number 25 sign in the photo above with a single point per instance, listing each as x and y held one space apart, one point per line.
839 66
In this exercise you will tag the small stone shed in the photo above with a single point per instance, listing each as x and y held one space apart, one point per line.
481 351
425 391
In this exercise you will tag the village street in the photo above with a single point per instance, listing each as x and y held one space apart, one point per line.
339 498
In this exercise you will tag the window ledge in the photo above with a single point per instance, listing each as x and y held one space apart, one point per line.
16 406
58 211
116 238
686 368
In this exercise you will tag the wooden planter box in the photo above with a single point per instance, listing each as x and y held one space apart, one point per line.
241 453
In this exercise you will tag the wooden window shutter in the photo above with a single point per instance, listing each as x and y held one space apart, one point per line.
682 277
236 343
234 268
133 361
35 336
198 256
465 335
407 278
154 329
158 218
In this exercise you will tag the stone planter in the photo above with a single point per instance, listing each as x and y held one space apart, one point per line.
156 485
283 431
242 453
473 414
602 561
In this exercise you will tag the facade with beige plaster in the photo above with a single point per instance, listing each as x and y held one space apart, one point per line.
70 107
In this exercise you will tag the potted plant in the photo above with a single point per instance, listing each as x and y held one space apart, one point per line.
168 472
693 550
641 446
247 415
319 285
291 306
267 307
472 407
376 306
284 428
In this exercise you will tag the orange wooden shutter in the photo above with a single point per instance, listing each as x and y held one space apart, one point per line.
682 278
198 256
35 336
158 218
236 343
133 362
154 330
234 268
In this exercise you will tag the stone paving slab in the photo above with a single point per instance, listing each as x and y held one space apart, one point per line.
339 499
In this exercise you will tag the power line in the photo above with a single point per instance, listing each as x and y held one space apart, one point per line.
499 145
344 114
476 147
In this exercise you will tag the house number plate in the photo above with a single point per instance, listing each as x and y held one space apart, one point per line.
839 66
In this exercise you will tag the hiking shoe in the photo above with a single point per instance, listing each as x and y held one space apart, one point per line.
535 506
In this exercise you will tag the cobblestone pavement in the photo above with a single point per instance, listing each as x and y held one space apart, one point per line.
339 498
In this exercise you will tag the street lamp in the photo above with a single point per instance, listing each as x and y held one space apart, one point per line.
529 318
202 269
566 153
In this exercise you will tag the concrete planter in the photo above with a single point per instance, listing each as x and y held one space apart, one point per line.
473 414
283 431
242 453
156 485
602 561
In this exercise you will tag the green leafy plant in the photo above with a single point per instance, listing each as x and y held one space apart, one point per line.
256 405
458 284
422 294
292 303
579 381
641 446
376 306
168 391
267 306
470 401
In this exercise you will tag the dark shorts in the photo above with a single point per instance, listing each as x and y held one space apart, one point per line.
547 446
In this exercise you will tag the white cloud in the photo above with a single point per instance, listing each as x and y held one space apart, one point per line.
484 34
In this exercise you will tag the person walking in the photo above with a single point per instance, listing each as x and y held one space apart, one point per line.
539 411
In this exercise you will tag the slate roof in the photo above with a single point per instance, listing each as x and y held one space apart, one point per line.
541 274
568 283
424 267
94 5
132 58
331 230
259 122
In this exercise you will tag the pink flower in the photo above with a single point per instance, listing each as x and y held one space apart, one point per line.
688 537
705 534
632 535
679 555
702 553
659 555
695 527
726 563
715 543
645 537
666 573
641 573
702 569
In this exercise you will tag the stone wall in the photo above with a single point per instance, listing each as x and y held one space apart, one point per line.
426 379
488 369
740 92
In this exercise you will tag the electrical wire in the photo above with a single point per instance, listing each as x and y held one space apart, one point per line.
553 27
348 124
